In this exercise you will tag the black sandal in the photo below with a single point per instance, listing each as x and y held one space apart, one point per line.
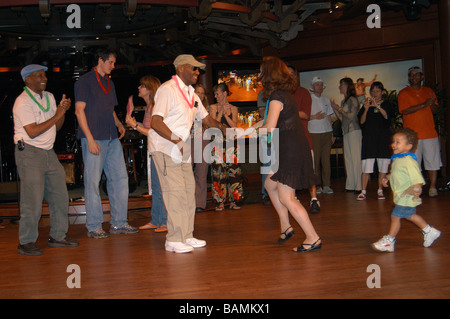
286 235
314 246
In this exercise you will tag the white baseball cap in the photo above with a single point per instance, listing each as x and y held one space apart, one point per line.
415 68
317 79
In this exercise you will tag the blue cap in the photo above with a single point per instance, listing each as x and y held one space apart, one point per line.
31 68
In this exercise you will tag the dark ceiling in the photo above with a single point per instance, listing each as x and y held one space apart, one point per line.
146 32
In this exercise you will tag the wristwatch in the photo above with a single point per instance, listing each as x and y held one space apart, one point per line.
135 127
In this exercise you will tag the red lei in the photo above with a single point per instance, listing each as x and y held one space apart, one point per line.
100 82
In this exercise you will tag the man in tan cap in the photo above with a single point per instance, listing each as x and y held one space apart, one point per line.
176 107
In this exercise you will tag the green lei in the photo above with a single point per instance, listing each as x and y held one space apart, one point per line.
40 106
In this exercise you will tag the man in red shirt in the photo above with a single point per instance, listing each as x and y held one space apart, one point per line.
417 104
304 101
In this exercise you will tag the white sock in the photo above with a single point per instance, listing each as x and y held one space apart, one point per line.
392 239
427 229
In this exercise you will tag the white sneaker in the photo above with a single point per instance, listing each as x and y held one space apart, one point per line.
195 243
384 244
319 190
178 247
430 237
361 196
327 190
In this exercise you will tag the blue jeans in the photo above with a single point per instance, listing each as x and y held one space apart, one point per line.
112 162
158 211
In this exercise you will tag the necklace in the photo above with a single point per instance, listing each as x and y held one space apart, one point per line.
101 85
191 104
39 104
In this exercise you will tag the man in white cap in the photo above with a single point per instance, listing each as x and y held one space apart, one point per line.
321 130
417 104
36 120
176 107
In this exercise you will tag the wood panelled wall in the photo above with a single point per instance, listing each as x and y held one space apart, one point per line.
334 43
331 44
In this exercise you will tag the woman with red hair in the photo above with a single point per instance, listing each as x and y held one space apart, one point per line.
295 166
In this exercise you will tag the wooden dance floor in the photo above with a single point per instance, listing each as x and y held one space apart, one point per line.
242 259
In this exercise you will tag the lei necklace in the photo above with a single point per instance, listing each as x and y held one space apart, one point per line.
39 104
100 82
191 104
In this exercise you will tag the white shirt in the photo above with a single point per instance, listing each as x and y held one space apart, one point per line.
26 111
177 115
320 104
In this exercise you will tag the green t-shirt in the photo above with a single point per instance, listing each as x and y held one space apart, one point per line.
405 172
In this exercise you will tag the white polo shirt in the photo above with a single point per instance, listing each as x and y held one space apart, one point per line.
26 111
172 106
320 104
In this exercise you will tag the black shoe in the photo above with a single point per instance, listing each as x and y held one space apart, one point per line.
66 242
314 246
266 201
29 250
199 210
286 235
314 207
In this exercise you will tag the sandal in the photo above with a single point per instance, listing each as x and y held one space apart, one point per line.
313 246
233 206
148 226
219 208
161 229
286 235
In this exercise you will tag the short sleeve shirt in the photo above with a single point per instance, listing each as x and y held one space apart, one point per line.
172 106
320 104
405 172
26 111
99 105
422 121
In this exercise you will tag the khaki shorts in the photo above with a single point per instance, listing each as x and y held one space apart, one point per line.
430 151
369 163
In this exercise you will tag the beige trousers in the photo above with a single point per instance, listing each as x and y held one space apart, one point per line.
178 192
352 159
322 148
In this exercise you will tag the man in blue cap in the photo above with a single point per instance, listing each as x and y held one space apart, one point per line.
37 118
